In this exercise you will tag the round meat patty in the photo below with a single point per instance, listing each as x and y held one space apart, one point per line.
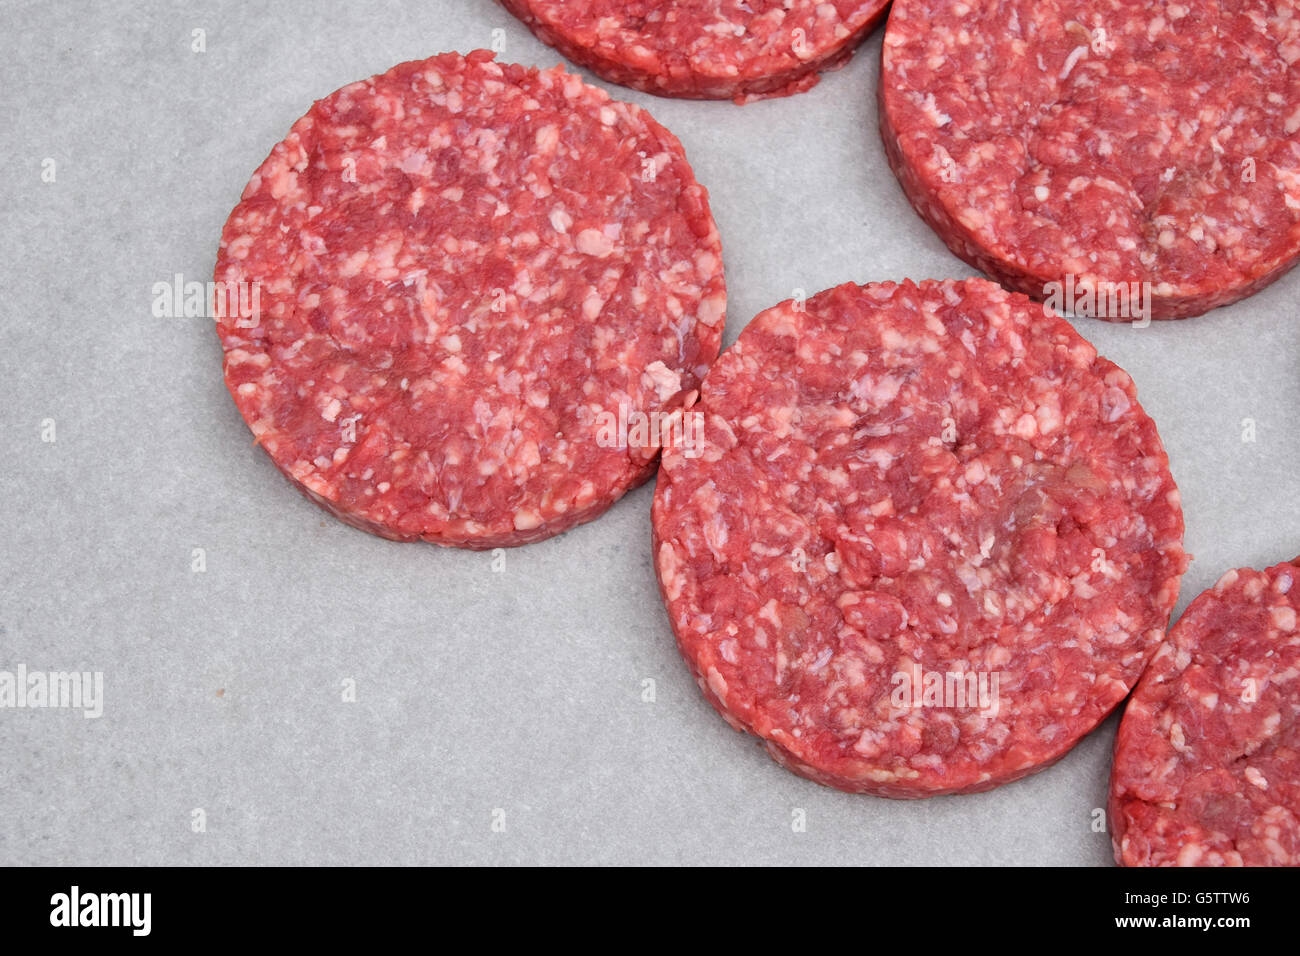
704 49
926 541
1071 150
1207 761
463 268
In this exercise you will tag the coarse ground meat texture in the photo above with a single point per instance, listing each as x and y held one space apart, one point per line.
899 481
1113 142
462 265
704 49
1207 761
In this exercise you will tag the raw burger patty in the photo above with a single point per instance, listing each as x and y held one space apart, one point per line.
462 264
1207 762
704 49
1113 141
901 481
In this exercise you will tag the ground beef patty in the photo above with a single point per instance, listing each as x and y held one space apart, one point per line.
1110 142
898 483
1207 762
704 49
462 264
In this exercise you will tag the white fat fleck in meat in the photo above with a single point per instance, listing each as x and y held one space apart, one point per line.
593 242
716 536
717 684
662 380
1048 418
1077 54
936 116
527 519
592 306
